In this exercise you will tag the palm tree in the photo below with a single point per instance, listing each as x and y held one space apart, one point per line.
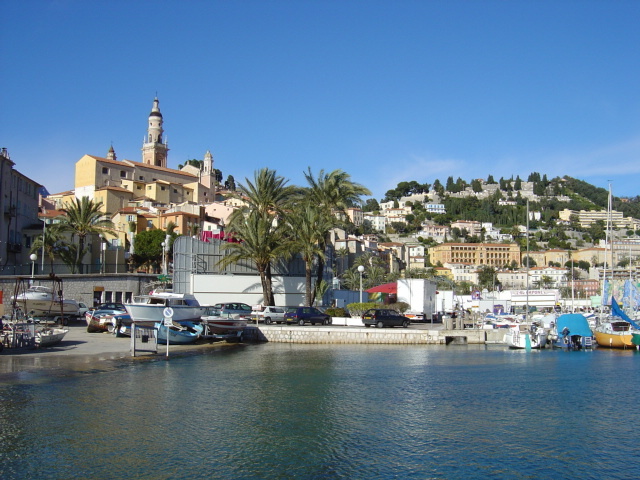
267 199
83 218
49 240
351 279
268 193
308 226
342 253
332 192
69 254
261 242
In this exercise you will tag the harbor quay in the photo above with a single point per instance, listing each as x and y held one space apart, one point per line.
416 334
81 351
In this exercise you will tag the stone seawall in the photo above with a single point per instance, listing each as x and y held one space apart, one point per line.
356 335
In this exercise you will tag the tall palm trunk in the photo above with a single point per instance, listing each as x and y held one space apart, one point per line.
320 270
310 293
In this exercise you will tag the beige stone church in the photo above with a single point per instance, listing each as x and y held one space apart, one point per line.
121 183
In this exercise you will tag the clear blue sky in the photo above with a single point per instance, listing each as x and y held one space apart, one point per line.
388 91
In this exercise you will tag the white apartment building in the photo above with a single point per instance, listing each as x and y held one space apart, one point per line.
512 280
463 273
471 226
377 223
356 215
437 232
435 208
557 274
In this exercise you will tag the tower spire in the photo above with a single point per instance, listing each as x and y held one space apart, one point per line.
154 152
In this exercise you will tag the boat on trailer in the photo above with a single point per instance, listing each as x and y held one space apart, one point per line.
182 333
571 331
150 308
217 323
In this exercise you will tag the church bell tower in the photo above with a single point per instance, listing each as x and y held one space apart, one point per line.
154 152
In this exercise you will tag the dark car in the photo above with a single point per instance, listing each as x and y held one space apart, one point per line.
379 317
302 315
110 306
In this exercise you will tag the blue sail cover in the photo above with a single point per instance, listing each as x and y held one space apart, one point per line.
616 311
576 323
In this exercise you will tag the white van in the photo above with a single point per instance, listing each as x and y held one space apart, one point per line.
269 314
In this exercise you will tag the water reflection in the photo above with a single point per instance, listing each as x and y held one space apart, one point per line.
288 411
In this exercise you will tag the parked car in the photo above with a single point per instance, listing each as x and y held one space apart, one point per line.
302 315
110 306
234 308
82 309
379 317
269 314
100 318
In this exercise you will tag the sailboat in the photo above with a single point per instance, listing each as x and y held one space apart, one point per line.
617 329
526 335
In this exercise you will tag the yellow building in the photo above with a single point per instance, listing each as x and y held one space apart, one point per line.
594 255
493 254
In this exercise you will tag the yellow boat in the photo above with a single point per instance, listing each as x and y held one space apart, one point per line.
615 334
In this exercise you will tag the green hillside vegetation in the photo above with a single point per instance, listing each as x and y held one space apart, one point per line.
581 195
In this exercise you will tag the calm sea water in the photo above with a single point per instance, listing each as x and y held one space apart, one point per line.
315 412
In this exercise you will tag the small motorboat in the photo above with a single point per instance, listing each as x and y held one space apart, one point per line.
571 331
48 336
217 323
150 308
526 335
182 333
43 300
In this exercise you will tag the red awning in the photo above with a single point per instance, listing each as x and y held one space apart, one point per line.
384 288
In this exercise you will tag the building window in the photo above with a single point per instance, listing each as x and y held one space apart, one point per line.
105 171
141 178
123 174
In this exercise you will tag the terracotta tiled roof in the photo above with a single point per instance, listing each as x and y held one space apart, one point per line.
161 169
68 192
106 160
51 214
117 189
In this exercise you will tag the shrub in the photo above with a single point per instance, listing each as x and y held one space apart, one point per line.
357 309
399 306
336 312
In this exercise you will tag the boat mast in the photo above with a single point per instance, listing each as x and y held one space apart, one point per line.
573 284
606 245
526 314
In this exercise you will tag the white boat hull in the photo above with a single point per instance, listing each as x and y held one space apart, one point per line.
39 307
516 337
50 336
155 313
221 325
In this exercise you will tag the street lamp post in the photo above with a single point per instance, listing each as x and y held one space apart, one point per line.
101 253
360 271
33 258
164 258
